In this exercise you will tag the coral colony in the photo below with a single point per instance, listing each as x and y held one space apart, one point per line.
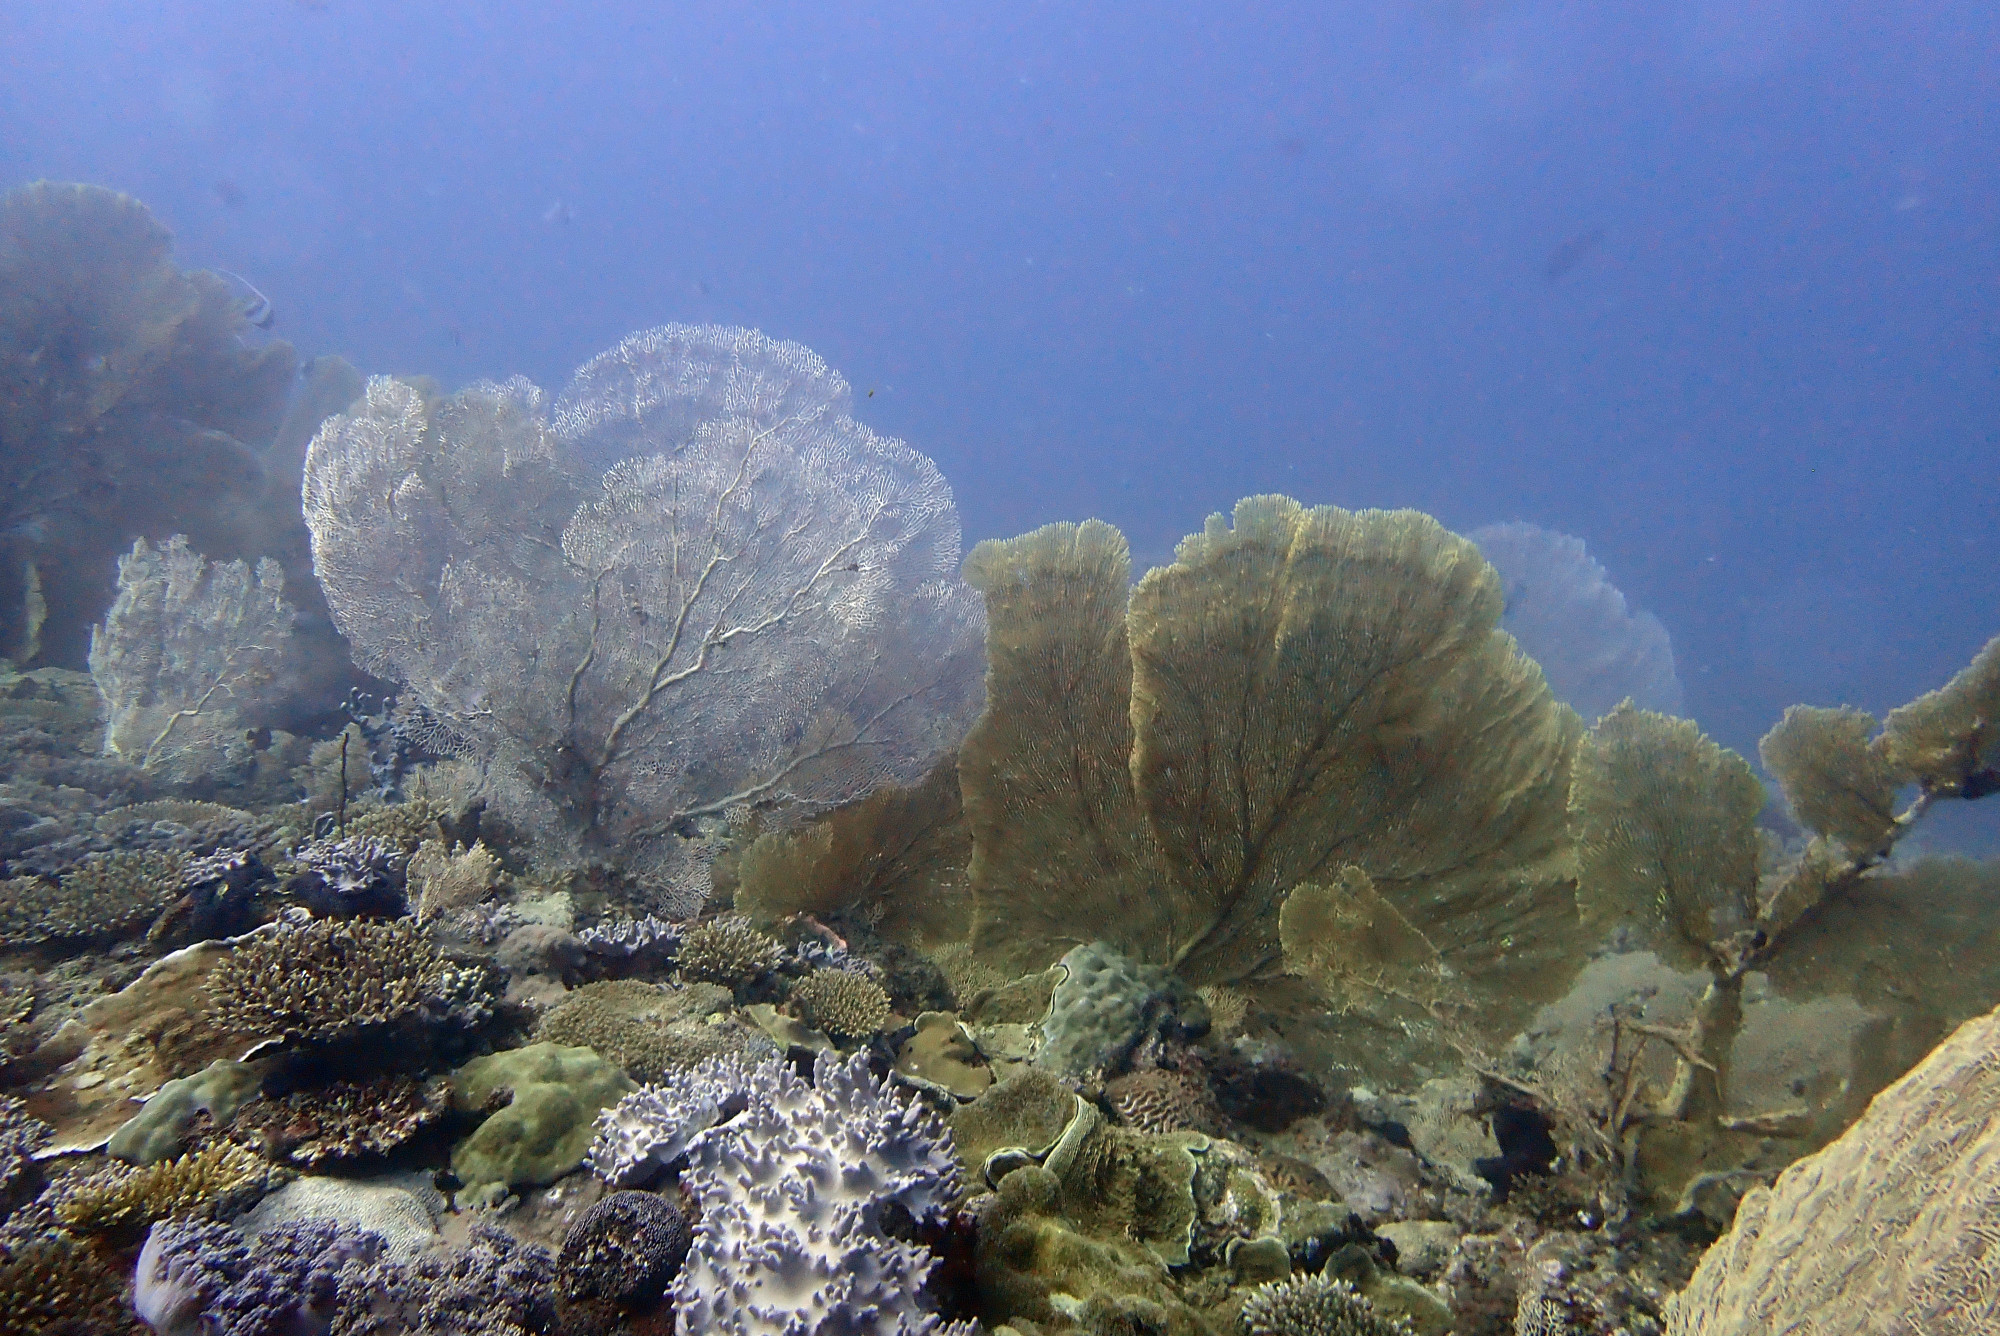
520 862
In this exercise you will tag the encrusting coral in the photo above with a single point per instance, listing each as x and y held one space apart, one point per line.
128 406
646 1029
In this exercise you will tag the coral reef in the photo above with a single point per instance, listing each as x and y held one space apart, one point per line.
128 406
350 877
187 652
646 1029
653 1126
343 1121
619 1258
845 1004
633 943
21 1135
159 1131
327 981
120 1200
1099 808
197 1276
403 1217
727 950
548 1122
444 880
1157 1100
1314 1306
817 646
794 1194
1106 1006
1885 1230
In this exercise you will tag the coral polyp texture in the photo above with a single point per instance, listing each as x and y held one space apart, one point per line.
842 1002
1315 1306
727 950
1889 1229
696 585
793 1192
326 980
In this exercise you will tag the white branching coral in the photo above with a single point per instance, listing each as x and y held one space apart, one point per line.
186 647
757 605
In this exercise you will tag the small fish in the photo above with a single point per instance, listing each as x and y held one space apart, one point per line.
1571 254
257 308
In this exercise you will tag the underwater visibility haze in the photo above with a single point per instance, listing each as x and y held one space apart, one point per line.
1259 670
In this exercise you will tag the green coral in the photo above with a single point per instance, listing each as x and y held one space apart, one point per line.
646 1029
158 1130
546 1126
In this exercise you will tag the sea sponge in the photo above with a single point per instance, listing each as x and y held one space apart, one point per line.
120 1200
1315 1306
325 981
625 1250
844 1004
107 895
728 950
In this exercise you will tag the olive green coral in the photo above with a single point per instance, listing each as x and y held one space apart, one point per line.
844 1004
1837 782
325 981
1949 739
1314 1306
646 1029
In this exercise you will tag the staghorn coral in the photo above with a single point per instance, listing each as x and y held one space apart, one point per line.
1888 1229
727 950
186 652
1305 689
1570 618
895 859
346 1120
129 405
1314 1306
757 573
220 1179
326 981
846 1005
795 1194
54 1284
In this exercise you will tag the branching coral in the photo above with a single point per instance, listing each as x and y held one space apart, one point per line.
727 950
53 1284
845 1004
753 607
325 981
120 1200
1314 1306
128 406
1300 691
186 649
342 1121
106 896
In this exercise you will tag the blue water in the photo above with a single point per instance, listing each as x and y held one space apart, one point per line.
1711 285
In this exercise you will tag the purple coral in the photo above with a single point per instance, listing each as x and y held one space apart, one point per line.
656 1124
198 1276
350 878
